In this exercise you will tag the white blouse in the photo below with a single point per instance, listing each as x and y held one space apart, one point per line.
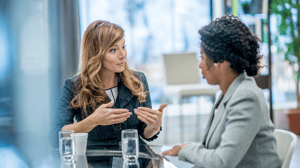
112 93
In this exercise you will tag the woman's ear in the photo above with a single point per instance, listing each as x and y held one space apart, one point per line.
217 64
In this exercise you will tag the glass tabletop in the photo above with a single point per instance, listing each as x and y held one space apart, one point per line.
110 156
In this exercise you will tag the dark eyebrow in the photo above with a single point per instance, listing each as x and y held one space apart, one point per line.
117 45
110 47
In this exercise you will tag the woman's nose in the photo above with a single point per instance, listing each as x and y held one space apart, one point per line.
123 53
200 65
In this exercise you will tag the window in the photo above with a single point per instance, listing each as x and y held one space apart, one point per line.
152 28
6 68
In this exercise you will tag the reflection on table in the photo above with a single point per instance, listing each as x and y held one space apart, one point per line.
110 156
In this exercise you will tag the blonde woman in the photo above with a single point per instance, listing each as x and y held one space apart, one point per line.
106 97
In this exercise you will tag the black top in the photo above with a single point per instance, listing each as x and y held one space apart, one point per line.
101 134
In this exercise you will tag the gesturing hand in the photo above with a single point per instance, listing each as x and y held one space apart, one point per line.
174 151
153 118
104 115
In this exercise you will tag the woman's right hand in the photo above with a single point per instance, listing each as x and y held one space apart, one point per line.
104 115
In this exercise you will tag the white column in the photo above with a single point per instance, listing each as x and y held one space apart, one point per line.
218 8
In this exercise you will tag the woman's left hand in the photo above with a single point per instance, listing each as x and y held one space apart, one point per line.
153 118
174 151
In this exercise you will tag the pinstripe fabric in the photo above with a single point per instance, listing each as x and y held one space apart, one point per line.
101 134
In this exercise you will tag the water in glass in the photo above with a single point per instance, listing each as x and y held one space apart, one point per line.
131 164
130 144
67 148
130 150
67 145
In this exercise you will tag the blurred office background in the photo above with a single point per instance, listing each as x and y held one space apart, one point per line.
40 49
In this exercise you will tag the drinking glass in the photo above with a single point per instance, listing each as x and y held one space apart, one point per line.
130 144
67 146
131 164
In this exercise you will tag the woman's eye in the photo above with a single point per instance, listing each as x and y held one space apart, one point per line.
112 50
124 46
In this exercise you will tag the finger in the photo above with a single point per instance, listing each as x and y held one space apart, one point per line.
171 152
183 145
117 121
120 116
144 120
107 105
145 117
161 107
150 115
149 110
168 152
119 111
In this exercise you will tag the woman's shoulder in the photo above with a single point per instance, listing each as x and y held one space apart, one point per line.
249 90
137 73
140 75
249 85
70 82
73 78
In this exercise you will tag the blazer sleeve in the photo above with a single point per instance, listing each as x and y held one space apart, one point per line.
64 115
241 126
147 103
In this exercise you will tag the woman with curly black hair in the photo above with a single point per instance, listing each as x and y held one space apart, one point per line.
239 132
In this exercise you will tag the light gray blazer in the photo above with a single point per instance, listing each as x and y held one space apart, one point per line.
241 133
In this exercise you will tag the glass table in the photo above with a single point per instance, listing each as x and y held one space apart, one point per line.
110 156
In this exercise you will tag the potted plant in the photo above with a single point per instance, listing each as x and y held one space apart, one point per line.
246 7
287 13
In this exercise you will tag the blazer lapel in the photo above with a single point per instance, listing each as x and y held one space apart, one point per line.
124 95
211 116
222 107
115 105
215 122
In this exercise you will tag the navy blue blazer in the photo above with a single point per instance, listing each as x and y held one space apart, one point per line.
103 135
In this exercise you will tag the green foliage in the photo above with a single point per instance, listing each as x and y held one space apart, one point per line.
245 4
288 25
288 15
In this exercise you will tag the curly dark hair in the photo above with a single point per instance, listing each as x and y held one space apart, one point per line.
229 39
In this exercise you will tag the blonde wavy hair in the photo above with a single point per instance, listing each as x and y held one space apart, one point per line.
98 37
